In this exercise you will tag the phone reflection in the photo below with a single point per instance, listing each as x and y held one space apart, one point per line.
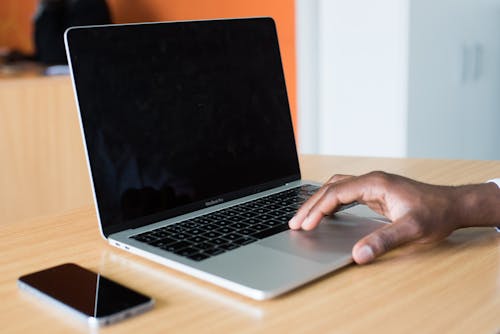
96 303
199 292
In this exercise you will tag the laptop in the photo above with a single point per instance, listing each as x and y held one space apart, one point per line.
192 156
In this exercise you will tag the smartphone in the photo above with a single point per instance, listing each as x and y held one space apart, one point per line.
88 295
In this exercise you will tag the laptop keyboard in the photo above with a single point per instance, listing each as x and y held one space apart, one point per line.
221 231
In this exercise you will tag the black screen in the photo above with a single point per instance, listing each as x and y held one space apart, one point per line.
88 292
178 114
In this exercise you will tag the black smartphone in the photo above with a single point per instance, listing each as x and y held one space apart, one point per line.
95 298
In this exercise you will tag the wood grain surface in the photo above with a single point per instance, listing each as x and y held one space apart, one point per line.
450 287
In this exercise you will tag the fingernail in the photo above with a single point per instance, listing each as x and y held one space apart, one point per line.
364 254
306 224
293 223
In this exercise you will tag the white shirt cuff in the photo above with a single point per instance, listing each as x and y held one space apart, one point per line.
497 182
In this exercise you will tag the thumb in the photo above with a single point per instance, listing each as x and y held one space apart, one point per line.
385 239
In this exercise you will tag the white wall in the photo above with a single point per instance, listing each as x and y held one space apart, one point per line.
307 74
362 77
454 79
399 77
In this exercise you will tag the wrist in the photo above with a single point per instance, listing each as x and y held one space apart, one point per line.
479 205
497 182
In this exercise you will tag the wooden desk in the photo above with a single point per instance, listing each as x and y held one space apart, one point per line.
452 287
43 168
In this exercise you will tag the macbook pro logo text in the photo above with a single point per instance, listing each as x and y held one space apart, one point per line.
215 201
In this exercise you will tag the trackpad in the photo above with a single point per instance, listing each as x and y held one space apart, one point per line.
331 240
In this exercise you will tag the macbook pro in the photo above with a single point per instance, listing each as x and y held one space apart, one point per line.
192 154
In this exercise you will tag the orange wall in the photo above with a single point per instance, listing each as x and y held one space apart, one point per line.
15 24
16 15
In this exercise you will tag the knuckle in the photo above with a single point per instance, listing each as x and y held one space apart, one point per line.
416 229
382 241
379 177
329 200
334 178
330 192
382 180
377 174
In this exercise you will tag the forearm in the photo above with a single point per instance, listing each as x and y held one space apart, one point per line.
478 205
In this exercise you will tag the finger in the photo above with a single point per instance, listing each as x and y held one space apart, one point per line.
336 194
338 177
385 239
369 189
300 215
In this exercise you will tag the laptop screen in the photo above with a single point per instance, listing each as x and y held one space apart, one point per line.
178 116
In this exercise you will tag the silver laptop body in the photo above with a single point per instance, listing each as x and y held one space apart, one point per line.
192 156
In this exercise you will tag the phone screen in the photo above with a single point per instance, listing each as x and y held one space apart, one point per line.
87 292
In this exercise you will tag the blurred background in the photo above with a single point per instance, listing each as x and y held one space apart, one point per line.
385 78
399 78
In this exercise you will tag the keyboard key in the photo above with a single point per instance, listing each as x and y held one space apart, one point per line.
223 223
247 231
214 251
205 245
270 232
232 236
229 246
188 251
187 224
180 236
272 207
228 213
198 257
242 208
264 217
236 219
177 246
244 241
260 227
144 238
289 209
253 205
273 222
248 214
209 227
159 234
202 220
197 239
294 206
195 231
239 225
218 241
211 235
276 213
216 216
225 230
285 218
163 242
267 203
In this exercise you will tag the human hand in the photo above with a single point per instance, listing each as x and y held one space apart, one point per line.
418 211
